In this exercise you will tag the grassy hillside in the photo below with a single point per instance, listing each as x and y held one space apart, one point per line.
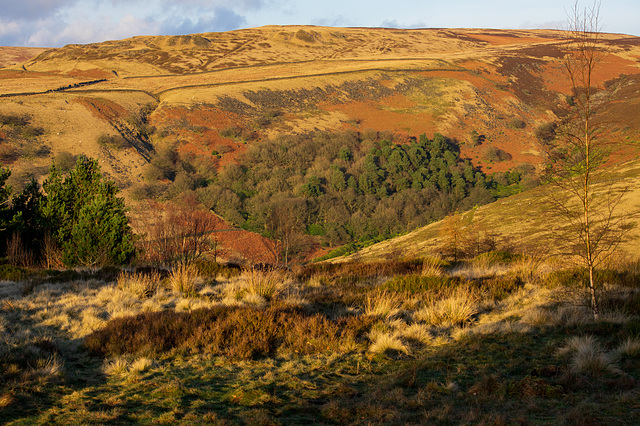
210 96
524 223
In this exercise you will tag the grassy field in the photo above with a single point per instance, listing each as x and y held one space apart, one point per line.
499 339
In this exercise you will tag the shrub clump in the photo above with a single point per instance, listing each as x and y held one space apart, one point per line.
237 332
421 284
496 155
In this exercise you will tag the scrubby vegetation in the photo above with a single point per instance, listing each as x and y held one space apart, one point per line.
416 341
341 187
20 138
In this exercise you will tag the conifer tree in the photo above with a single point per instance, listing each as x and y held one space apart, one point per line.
86 218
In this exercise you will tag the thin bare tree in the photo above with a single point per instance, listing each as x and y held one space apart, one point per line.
586 199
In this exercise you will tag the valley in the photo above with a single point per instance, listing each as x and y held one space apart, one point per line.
318 225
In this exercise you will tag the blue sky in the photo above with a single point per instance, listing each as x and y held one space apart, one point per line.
54 23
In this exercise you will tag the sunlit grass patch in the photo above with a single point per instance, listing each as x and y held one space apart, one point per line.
384 342
268 284
140 284
457 308
382 304
184 278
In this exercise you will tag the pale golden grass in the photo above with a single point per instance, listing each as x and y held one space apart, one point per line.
140 365
115 367
383 304
417 332
432 266
184 278
254 300
479 269
140 284
529 268
457 308
268 285
382 342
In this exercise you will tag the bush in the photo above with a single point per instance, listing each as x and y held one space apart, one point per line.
546 132
86 218
12 273
422 284
517 123
64 161
113 141
496 155
237 333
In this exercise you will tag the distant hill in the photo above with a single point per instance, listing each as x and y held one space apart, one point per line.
17 55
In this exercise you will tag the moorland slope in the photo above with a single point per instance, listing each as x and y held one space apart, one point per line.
213 95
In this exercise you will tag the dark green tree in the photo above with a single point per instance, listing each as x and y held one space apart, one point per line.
26 216
86 218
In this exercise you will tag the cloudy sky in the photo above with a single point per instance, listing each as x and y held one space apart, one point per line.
54 23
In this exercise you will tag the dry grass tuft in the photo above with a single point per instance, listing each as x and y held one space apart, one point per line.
140 365
384 342
588 357
184 277
433 267
629 348
382 304
456 309
140 284
528 268
269 285
115 367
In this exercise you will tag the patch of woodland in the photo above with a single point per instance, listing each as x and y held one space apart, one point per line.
339 187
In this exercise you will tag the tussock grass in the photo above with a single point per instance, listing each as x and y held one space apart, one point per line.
432 266
457 308
382 304
629 348
117 366
269 284
184 278
384 342
588 357
140 284
386 350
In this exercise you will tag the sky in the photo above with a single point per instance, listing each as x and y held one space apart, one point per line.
54 23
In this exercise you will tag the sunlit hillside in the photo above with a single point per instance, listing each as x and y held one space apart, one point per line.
210 97
319 226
